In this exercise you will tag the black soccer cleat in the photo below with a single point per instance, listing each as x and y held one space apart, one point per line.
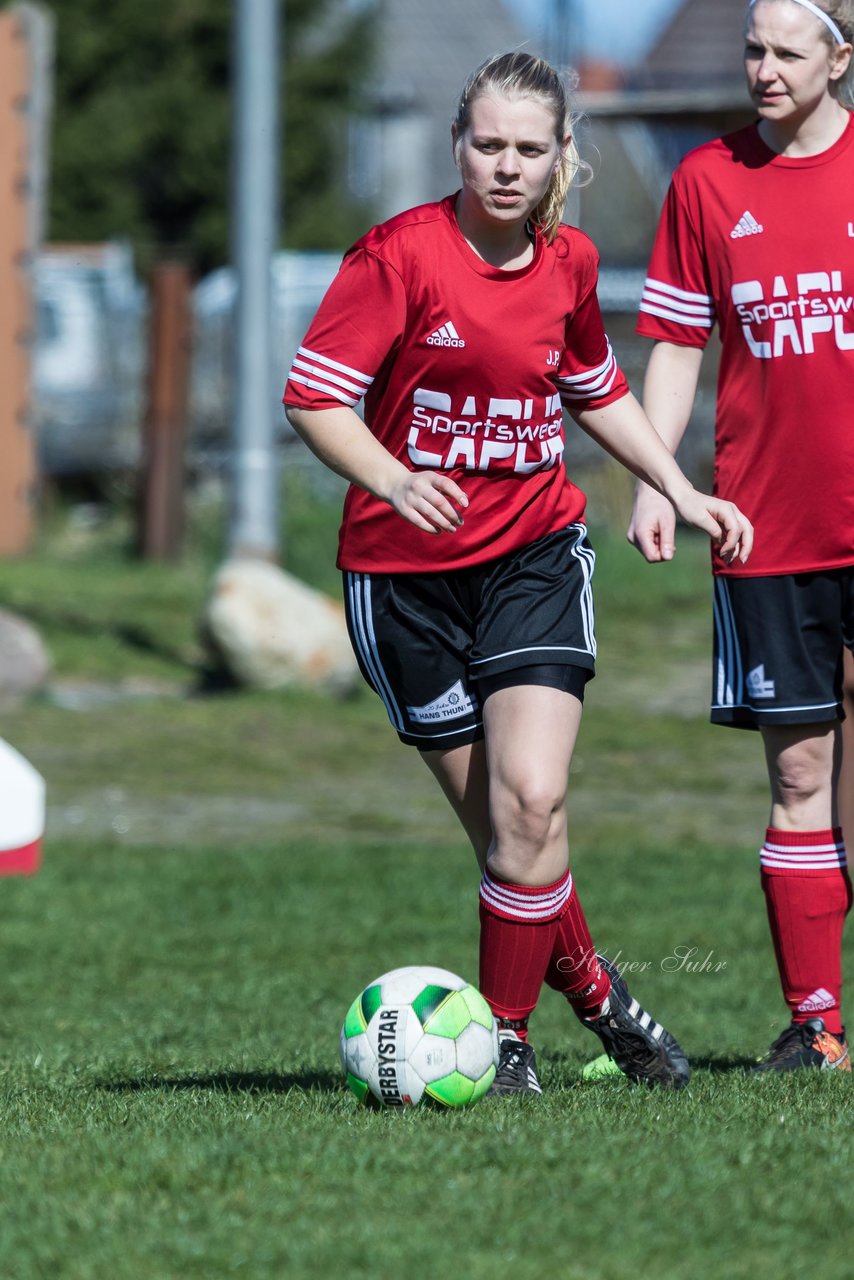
640 1046
517 1068
807 1044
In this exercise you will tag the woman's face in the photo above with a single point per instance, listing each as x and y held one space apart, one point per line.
789 65
507 157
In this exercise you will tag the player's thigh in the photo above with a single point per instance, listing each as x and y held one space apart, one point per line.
530 733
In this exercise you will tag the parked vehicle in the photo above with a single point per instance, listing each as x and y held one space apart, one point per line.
89 357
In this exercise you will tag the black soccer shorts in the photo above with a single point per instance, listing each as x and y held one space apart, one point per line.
778 648
425 641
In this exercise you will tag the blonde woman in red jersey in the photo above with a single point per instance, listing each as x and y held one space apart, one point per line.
757 235
465 325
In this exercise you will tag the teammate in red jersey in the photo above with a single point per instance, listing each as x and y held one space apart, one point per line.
757 235
466 325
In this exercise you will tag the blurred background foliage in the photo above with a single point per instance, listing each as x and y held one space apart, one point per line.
142 123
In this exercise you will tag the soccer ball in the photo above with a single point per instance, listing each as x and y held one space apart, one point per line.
419 1034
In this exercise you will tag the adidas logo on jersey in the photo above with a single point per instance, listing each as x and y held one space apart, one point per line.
746 226
445 336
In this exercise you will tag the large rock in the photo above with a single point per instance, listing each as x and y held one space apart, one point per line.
24 661
271 631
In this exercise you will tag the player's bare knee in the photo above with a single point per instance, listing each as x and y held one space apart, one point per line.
529 815
799 778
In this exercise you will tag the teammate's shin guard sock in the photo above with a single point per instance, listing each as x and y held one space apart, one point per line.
573 968
517 933
808 895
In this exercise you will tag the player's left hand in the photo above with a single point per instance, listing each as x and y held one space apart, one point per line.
722 521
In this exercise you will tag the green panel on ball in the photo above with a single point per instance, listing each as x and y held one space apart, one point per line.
450 1018
358 1086
428 1001
354 1023
454 1090
477 1007
482 1085
370 1000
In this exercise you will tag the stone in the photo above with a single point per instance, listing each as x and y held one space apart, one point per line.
269 630
24 661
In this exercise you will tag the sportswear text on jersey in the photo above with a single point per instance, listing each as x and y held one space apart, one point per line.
482 434
793 319
746 226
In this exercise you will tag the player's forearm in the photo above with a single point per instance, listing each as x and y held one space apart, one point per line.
340 439
624 431
669 389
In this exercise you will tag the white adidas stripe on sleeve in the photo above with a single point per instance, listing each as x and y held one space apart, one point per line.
681 305
311 369
593 383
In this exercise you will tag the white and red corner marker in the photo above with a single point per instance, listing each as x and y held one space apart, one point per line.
22 814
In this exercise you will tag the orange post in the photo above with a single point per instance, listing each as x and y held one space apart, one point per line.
17 445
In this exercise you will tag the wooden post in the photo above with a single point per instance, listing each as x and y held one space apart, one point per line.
17 446
162 524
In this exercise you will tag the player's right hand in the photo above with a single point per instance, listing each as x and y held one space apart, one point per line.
431 501
652 528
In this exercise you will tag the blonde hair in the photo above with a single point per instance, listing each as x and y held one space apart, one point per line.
521 75
842 13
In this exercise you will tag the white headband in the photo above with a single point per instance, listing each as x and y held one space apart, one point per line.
819 13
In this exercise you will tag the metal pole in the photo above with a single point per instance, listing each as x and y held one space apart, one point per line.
565 42
255 153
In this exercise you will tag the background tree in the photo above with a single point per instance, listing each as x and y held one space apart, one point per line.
142 124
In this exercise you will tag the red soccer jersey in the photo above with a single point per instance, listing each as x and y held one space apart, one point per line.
463 368
764 245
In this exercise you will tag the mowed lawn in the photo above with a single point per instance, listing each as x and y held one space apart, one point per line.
223 873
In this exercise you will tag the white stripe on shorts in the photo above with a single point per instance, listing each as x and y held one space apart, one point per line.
361 614
729 675
586 557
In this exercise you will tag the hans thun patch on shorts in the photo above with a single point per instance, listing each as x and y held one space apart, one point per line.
450 705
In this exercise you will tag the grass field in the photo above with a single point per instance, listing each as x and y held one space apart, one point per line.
223 874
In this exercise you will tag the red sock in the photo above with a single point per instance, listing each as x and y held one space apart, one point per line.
518 924
808 895
573 968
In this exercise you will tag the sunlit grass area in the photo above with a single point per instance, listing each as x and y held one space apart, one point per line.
224 872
